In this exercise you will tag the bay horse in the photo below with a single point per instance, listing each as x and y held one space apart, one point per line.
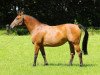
52 36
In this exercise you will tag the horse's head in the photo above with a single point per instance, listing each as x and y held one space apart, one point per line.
18 20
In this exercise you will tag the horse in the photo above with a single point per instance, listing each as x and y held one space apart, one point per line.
52 36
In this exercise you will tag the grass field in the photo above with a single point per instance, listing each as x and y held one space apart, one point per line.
16 57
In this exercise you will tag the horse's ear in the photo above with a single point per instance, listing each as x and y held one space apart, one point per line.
18 12
22 12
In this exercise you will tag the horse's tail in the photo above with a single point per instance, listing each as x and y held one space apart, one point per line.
85 40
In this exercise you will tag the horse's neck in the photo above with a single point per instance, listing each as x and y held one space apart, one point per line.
31 23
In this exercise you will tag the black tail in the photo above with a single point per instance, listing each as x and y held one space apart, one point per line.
85 40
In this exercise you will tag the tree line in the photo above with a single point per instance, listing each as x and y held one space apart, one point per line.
53 12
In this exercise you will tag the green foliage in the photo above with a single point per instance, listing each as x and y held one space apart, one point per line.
22 32
16 58
53 11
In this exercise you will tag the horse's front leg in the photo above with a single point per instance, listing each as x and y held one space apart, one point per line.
36 53
43 55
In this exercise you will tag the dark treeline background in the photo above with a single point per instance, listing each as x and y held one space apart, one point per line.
52 12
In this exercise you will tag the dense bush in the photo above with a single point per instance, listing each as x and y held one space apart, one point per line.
52 12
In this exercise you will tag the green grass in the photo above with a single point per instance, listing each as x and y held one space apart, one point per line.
16 57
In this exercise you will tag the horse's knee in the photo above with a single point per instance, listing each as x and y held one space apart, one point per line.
72 54
80 54
77 48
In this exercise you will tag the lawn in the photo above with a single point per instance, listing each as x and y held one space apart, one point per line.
16 57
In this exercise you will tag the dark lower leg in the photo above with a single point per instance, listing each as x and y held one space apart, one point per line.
72 52
77 47
45 60
35 58
36 54
71 58
80 58
43 55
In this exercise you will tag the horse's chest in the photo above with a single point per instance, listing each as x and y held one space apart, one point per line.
37 37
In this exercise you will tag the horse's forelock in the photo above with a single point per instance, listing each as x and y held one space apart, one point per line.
20 12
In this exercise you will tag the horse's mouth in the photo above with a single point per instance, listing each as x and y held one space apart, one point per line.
11 26
20 23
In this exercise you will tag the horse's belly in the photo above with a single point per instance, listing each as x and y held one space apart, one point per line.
54 43
55 37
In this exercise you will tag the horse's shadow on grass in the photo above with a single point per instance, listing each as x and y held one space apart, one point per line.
61 64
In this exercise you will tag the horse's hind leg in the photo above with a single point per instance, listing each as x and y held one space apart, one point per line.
43 55
72 52
77 48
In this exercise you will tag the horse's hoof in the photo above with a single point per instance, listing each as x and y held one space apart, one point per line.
34 64
70 64
81 65
46 64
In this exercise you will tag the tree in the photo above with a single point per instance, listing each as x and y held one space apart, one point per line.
53 12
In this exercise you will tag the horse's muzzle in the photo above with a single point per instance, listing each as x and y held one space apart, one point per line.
11 26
